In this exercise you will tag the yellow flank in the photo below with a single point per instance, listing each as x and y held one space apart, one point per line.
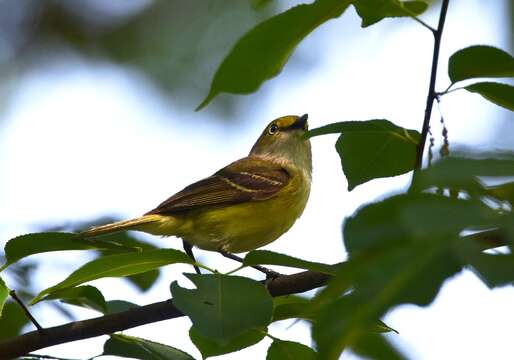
245 205
250 225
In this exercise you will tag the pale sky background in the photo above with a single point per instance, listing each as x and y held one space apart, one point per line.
81 139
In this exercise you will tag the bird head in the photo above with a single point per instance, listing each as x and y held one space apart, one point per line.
284 138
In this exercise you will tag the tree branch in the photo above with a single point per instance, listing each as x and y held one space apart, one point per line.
108 324
438 33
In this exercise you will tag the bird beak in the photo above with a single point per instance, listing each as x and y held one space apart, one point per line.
301 123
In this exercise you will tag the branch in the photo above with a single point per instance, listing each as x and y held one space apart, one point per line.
438 33
108 324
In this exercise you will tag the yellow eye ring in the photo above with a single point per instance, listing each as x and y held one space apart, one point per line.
273 129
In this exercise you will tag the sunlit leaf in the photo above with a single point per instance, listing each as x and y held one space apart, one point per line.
372 11
138 348
222 307
372 149
263 51
86 296
289 350
265 257
31 244
142 281
212 347
4 294
480 61
118 266
500 94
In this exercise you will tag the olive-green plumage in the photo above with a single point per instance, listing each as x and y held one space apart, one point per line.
243 206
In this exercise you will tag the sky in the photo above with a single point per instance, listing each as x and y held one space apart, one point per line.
82 138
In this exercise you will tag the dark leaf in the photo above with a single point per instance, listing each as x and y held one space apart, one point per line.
138 348
118 266
12 321
222 307
372 11
4 294
289 350
263 51
291 307
500 94
375 346
213 347
30 244
494 270
460 173
480 61
265 257
401 250
115 306
86 296
372 149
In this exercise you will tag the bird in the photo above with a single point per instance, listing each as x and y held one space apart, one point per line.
245 205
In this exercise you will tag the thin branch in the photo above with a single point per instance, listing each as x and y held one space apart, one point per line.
431 87
164 310
108 324
26 311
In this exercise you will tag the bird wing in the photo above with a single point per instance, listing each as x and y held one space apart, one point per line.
248 179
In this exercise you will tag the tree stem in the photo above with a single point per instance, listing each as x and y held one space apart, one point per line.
438 33
108 324
26 311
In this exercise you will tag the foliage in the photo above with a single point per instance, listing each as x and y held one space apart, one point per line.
400 249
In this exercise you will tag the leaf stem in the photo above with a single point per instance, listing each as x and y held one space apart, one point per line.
26 311
431 87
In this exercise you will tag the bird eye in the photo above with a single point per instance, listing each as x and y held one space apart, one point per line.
273 129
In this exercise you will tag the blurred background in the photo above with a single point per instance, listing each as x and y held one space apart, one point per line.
97 120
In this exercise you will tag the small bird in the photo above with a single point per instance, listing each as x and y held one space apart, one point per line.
243 206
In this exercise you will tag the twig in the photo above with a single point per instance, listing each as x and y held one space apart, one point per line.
431 87
108 324
26 311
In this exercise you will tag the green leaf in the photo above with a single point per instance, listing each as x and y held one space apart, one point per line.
138 348
372 149
500 94
144 280
494 270
115 306
401 250
31 244
222 307
291 307
265 257
212 347
372 11
12 321
118 266
289 350
460 173
263 51
85 296
382 327
480 61
4 294
504 192
375 346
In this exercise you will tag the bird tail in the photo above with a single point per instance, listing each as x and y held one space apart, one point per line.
132 224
